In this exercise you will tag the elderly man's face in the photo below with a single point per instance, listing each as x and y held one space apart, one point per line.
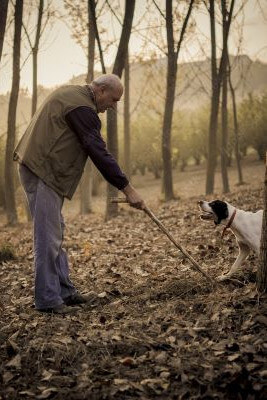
108 98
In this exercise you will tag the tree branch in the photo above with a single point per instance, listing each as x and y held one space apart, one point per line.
184 27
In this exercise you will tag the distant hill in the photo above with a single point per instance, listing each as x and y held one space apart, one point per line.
148 87
194 84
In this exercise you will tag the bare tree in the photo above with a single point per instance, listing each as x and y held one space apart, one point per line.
87 179
262 269
236 128
11 124
126 115
3 18
83 18
112 134
224 111
172 57
216 80
44 15
35 49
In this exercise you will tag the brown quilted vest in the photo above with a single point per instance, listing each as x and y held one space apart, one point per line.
49 148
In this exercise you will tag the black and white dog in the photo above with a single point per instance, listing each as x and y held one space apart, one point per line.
246 227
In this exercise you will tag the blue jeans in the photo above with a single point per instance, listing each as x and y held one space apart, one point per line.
52 283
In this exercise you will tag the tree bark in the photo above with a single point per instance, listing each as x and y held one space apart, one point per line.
35 50
112 134
11 129
126 115
224 111
86 185
262 269
3 17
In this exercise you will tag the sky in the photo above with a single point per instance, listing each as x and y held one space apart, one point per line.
61 58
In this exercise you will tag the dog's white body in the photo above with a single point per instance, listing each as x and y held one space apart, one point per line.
246 227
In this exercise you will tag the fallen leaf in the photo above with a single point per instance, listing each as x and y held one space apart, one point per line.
7 376
127 361
233 357
27 393
15 362
46 375
47 392
102 294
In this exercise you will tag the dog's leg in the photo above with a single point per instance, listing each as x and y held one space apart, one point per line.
243 253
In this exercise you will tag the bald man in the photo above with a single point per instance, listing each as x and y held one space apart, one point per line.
52 154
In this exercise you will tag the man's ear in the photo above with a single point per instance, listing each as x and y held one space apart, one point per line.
103 88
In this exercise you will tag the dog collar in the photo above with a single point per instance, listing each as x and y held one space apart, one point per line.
229 223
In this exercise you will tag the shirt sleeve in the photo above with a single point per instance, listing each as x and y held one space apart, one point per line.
85 122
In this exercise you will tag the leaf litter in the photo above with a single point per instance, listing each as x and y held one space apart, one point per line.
153 328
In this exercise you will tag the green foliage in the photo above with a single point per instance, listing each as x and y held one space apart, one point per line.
190 134
253 123
146 145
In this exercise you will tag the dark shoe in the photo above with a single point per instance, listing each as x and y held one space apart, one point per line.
61 309
76 299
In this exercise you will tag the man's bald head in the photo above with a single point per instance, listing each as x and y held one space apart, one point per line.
108 90
111 81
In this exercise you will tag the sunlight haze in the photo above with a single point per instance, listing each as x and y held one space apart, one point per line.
61 58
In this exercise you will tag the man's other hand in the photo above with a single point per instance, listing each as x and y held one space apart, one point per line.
133 198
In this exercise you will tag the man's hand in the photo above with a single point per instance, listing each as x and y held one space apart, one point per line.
133 198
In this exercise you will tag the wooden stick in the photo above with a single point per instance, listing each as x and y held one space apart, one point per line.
195 264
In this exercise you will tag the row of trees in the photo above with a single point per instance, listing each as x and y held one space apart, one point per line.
190 135
175 22
175 137
189 138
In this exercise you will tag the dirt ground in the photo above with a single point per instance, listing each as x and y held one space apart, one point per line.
154 328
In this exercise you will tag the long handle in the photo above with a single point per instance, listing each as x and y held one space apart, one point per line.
195 264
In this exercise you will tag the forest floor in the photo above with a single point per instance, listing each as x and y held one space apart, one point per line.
154 328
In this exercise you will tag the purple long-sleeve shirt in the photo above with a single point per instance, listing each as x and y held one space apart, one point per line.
85 122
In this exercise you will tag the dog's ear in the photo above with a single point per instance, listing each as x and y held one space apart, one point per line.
220 209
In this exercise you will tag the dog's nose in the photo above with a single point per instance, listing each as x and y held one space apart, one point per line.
200 202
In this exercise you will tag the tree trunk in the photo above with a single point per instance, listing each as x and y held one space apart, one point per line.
167 124
216 79
224 151
197 160
262 269
34 81
11 128
236 129
3 17
215 97
127 139
86 185
224 142
112 134
35 56
112 144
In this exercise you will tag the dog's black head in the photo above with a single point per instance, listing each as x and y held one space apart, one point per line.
220 209
216 210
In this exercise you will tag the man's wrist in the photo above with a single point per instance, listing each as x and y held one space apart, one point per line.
128 189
